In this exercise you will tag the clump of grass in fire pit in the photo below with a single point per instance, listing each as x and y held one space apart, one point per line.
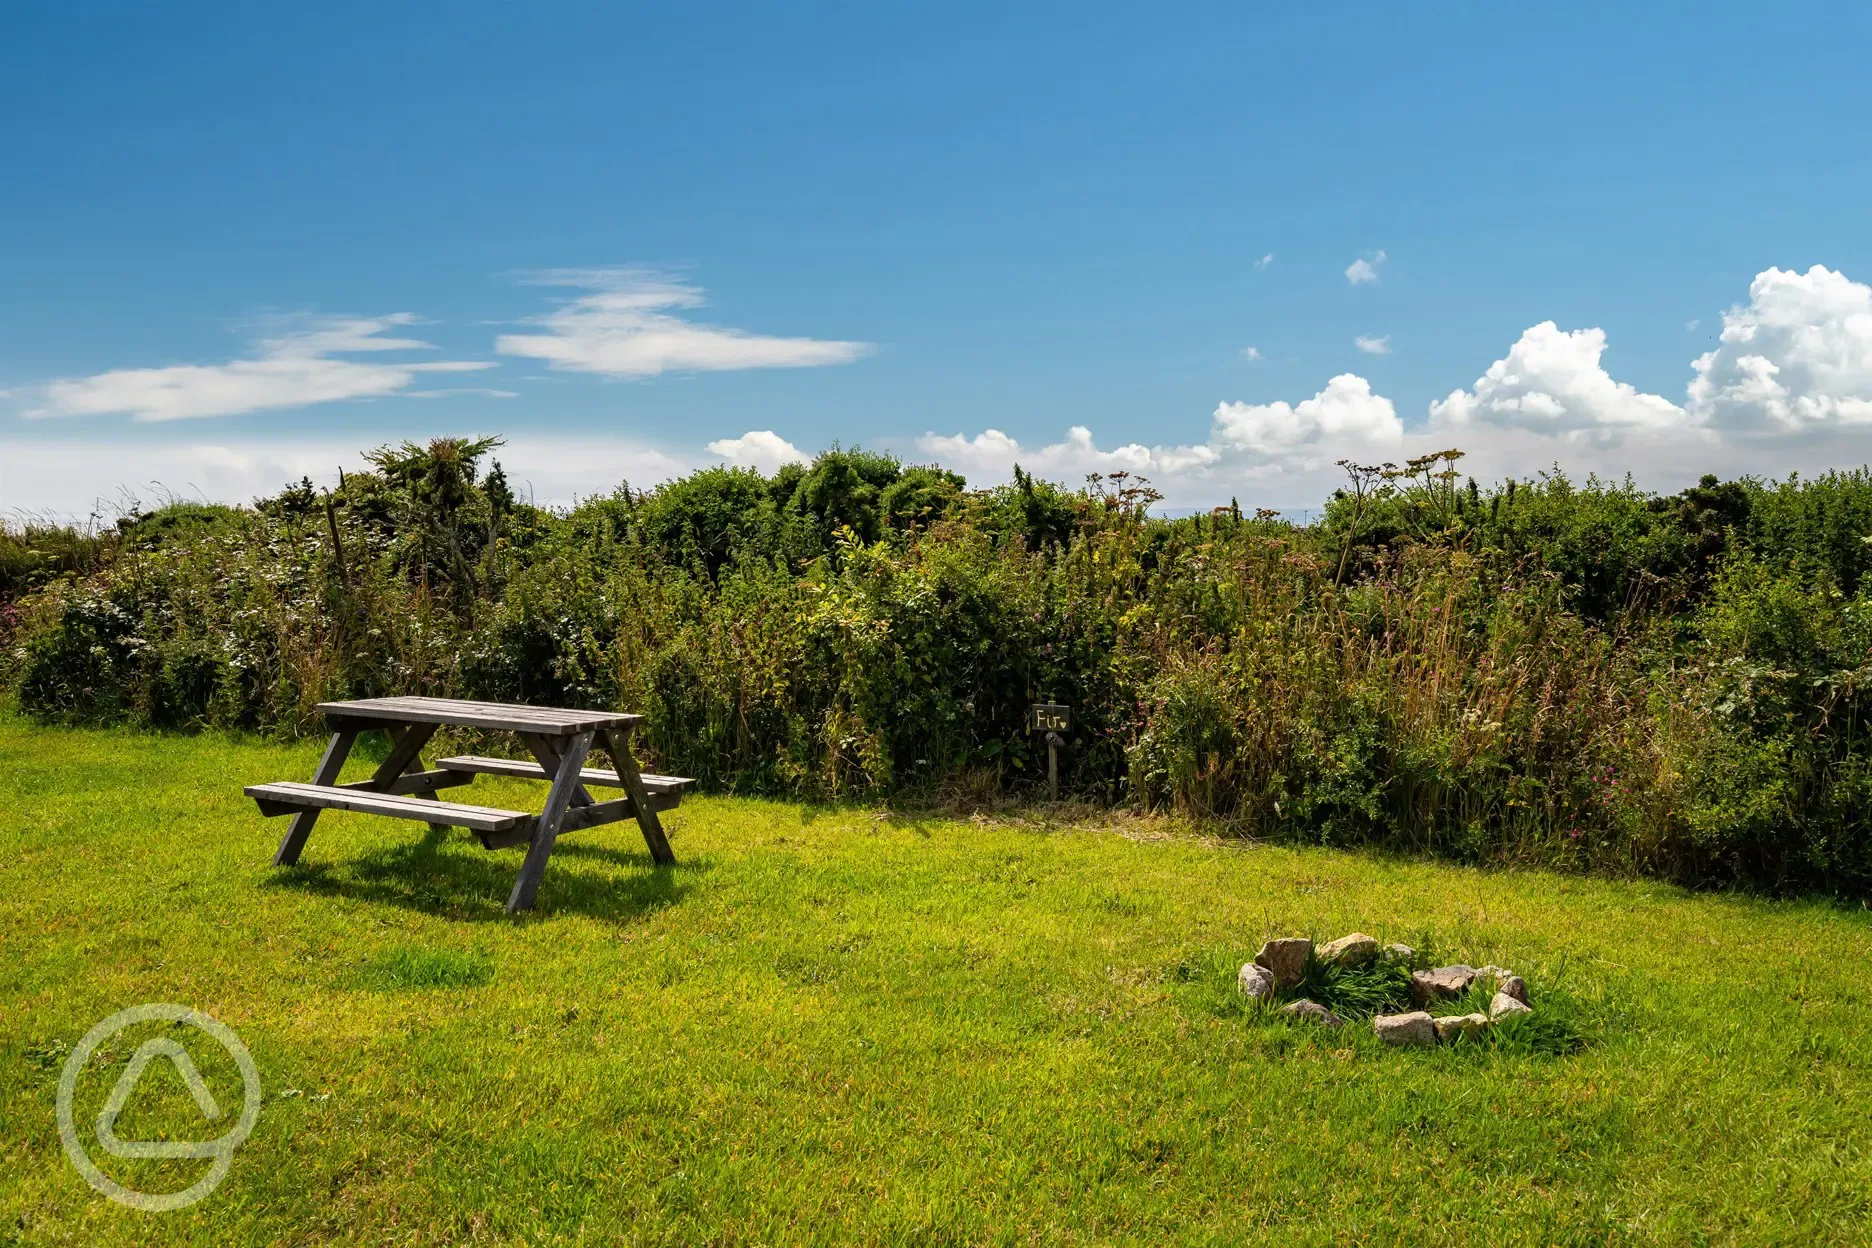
1381 986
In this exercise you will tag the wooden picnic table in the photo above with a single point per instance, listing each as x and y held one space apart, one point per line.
404 788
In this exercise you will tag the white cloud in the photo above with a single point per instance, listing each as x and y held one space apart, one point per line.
1345 416
1373 344
1551 382
343 336
1365 268
1251 354
1264 261
622 328
758 448
68 477
1246 441
990 456
293 370
1798 357
483 391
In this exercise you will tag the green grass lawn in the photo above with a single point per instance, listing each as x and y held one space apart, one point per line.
853 1026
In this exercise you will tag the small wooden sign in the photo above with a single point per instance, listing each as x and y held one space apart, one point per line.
1051 717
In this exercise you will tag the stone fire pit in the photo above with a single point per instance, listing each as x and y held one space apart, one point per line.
1281 965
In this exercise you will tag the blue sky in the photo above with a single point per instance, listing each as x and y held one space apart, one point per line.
907 227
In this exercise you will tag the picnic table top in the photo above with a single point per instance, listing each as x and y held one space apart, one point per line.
545 721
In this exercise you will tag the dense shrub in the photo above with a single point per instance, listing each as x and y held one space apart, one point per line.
1574 674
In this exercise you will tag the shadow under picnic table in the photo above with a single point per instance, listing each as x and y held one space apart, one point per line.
450 876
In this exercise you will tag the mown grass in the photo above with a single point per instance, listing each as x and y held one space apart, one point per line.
857 1026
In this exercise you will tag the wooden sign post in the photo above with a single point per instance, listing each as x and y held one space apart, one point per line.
1052 719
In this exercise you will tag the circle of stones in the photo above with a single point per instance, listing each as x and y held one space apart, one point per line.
1282 960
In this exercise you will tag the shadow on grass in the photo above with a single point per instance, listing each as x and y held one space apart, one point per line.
453 878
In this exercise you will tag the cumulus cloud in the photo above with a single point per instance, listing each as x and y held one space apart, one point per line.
992 454
758 448
1373 344
1345 416
624 326
1246 440
1365 268
294 369
1251 354
1551 382
1796 357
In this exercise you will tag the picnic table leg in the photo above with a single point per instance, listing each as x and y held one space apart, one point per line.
406 759
565 784
406 746
546 754
301 826
617 740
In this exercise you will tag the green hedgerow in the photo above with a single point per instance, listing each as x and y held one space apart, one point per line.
1576 675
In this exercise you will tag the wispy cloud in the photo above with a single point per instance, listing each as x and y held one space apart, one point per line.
293 369
1365 268
1264 261
485 392
623 326
1373 344
1252 354
64 475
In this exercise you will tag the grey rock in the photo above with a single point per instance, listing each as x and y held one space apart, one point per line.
1442 983
1285 956
1415 1028
1513 985
1257 982
1312 1010
1460 1025
1399 953
1503 1005
1354 950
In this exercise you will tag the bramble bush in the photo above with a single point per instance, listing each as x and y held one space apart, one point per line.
1578 675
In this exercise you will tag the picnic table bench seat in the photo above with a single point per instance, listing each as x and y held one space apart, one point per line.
403 787
286 796
471 764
